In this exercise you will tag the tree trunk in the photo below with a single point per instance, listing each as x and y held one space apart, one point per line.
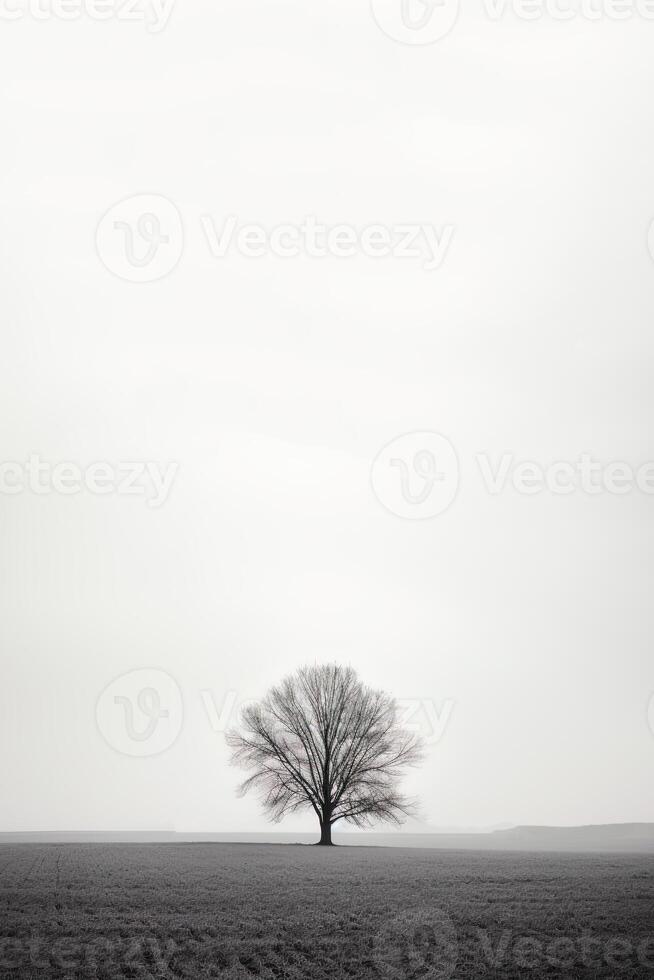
325 833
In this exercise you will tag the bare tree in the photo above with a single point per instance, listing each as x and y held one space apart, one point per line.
322 740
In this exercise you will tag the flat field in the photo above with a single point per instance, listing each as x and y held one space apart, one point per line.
278 912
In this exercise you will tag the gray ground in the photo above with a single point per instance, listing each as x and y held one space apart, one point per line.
305 913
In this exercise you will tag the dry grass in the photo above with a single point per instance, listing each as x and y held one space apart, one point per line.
111 911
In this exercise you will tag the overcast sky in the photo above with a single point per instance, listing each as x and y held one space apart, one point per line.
521 621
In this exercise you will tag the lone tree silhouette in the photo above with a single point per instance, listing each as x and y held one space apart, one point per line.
323 740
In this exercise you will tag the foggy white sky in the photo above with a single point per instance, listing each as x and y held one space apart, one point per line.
274 383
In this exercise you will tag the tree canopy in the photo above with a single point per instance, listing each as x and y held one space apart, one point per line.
322 740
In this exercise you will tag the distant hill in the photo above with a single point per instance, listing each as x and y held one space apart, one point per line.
594 837
624 838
